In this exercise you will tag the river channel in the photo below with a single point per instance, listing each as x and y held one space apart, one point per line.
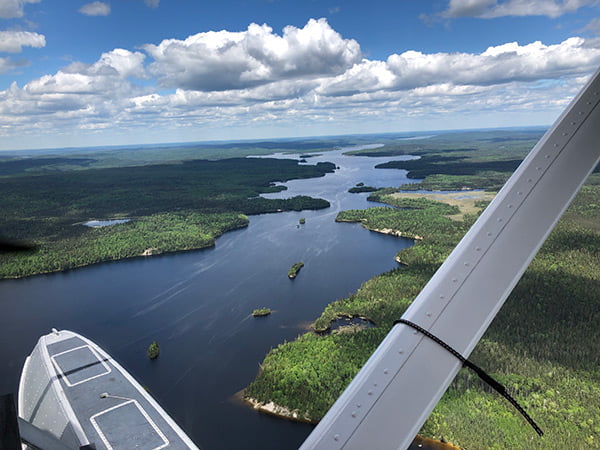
197 305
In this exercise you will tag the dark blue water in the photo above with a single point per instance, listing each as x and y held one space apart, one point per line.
198 307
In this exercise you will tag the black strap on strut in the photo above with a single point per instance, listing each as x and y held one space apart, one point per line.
478 370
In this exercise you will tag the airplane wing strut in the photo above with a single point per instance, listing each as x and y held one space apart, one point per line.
388 401
496 385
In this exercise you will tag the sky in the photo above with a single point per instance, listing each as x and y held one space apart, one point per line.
123 72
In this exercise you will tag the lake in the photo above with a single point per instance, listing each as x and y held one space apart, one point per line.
197 306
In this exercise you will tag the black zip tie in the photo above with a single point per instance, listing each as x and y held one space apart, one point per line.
497 386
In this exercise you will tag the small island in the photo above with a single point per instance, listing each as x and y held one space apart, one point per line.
360 187
153 350
293 272
302 221
261 312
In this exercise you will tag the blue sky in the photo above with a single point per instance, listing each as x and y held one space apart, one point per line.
77 73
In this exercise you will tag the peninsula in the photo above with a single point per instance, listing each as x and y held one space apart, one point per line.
209 198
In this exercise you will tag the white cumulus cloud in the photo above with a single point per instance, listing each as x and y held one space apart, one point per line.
126 63
225 60
95 9
488 9
78 94
303 77
10 9
105 77
497 65
14 41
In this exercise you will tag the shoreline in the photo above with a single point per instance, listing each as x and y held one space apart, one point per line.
392 232
143 255
276 410
148 252
388 231
284 413
399 261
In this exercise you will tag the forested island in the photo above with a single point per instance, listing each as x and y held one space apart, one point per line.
261 312
543 345
293 272
172 207
360 187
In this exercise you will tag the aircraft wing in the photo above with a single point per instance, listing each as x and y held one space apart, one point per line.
386 404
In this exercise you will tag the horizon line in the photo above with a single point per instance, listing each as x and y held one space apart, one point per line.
266 139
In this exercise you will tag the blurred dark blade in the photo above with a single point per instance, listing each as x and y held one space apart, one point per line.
15 246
